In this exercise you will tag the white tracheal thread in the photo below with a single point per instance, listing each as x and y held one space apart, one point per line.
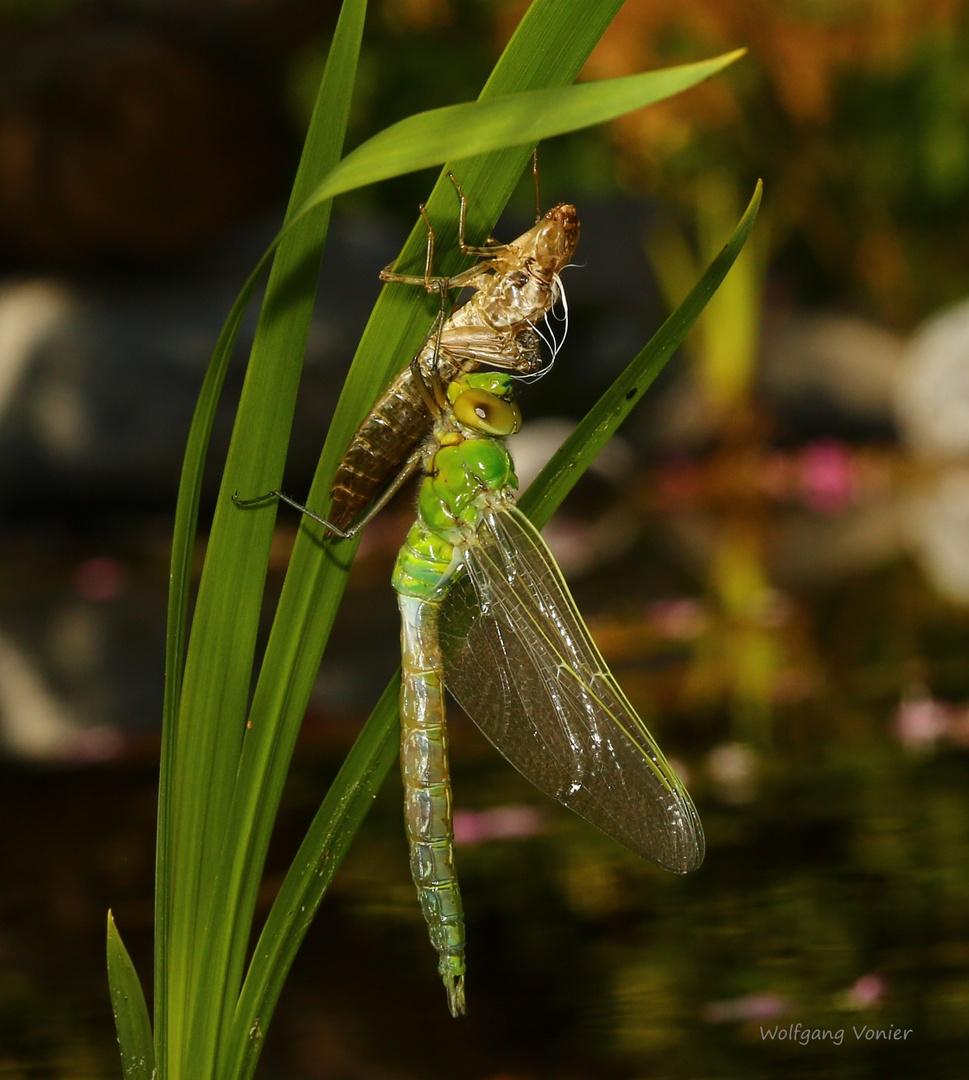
549 338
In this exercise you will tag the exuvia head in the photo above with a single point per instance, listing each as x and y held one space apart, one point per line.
548 246
525 279
484 402
556 237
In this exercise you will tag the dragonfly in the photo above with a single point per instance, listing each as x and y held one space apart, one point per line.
486 614
516 285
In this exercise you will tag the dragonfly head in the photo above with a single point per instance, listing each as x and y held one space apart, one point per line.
485 403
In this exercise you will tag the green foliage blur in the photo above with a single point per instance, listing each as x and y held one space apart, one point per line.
856 115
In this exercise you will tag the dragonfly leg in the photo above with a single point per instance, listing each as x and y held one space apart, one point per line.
429 384
344 534
283 497
490 246
424 388
429 253
440 284
437 284
431 283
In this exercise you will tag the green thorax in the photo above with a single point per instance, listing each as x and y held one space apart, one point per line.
460 478
466 469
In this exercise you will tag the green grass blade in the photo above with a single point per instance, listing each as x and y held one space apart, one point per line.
200 775
526 118
332 830
130 1011
372 753
183 544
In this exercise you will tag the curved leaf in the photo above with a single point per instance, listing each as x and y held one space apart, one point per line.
130 1011
524 119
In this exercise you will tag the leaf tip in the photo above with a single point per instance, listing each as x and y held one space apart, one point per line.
718 63
755 198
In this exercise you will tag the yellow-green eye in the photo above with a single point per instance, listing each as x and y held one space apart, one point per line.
481 411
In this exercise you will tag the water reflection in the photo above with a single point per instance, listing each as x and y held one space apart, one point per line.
833 899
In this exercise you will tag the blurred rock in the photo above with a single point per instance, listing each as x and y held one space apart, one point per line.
937 521
734 770
931 390
38 724
821 375
828 373
82 643
98 380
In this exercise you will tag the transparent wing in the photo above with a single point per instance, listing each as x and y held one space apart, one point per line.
521 663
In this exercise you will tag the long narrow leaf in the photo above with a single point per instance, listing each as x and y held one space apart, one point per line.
513 120
183 542
197 943
344 808
130 1011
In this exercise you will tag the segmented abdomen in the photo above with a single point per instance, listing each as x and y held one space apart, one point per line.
427 790
383 442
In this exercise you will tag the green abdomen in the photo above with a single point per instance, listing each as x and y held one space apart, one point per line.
459 478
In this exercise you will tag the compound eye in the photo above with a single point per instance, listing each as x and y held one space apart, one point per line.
481 411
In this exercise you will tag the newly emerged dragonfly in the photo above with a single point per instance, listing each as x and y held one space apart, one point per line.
515 287
486 613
